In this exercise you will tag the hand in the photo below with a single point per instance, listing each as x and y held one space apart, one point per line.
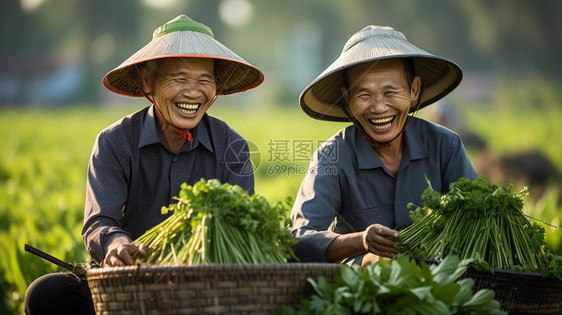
380 240
370 259
124 255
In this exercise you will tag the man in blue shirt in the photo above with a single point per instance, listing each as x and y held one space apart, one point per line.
354 197
139 163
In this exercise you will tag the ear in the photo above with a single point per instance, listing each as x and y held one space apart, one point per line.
345 94
145 81
415 88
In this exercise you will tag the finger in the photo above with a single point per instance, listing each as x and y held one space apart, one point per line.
382 250
378 240
381 246
384 231
140 254
111 261
125 254
142 250
115 262
107 260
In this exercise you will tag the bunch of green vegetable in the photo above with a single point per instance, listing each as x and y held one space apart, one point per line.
220 223
399 287
476 220
554 269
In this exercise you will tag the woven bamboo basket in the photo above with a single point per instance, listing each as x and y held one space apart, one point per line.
204 289
520 292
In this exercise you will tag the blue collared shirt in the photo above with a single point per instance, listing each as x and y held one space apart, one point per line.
348 188
132 174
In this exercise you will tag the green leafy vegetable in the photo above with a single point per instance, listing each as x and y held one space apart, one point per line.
479 221
553 269
220 223
401 286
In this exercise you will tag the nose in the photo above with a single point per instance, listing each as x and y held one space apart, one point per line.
378 103
191 89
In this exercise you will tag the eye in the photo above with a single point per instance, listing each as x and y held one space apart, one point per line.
390 93
362 96
206 83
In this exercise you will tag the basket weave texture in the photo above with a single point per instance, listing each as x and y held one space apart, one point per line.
520 292
204 289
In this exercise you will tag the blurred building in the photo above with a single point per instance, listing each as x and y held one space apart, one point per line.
39 81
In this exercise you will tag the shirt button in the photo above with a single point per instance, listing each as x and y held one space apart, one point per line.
175 159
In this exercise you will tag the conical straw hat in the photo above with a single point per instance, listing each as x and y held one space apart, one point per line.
322 98
183 37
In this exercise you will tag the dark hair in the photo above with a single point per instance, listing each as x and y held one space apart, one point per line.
409 70
151 67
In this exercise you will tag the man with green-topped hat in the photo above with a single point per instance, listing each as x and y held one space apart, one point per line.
139 162
353 200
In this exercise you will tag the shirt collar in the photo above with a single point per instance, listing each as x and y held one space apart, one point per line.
414 148
151 134
201 135
367 158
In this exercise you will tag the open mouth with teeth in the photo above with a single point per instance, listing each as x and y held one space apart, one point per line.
187 109
382 123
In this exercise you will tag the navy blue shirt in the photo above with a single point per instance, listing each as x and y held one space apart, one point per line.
348 188
132 174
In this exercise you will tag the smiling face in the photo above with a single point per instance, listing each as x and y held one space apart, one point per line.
379 97
183 89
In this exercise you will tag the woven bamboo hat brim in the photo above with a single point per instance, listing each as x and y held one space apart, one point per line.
322 98
183 37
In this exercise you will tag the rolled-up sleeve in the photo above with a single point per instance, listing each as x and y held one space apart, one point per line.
107 190
315 208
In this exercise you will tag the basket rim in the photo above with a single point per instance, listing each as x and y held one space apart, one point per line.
500 271
210 267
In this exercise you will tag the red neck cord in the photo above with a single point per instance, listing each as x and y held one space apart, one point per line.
184 134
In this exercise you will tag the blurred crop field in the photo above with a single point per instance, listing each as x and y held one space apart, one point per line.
45 152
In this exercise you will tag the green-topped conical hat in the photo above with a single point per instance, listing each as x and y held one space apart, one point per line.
184 37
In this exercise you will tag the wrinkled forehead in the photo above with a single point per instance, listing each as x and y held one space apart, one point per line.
185 63
393 66
166 66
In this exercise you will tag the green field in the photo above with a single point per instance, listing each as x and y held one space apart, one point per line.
44 155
